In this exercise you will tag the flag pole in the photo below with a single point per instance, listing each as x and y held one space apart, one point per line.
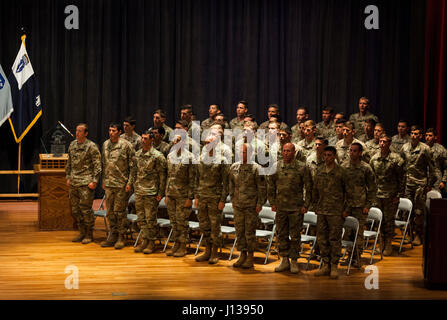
23 37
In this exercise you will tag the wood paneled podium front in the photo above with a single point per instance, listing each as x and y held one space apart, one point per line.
54 204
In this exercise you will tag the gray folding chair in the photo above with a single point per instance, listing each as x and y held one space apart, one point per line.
432 194
405 205
100 212
267 217
375 217
309 219
228 211
352 223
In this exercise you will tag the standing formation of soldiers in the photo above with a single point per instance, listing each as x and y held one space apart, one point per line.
335 168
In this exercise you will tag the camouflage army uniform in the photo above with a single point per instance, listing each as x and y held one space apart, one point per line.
150 182
389 171
135 140
364 138
285 191
247 191
332 141
372 147
118 165
83 166
179 188
439 153
235 123
163 148
397 142
360 193
306 147
313 162
265 125
329 202
419 173
359 121
296 134
324 130
206 124
211 187
167 136
343 151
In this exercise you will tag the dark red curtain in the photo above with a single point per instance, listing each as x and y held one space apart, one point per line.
435 66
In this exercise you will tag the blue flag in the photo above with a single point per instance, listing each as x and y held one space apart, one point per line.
25 95
5 97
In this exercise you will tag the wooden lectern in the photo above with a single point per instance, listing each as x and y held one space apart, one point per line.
54 204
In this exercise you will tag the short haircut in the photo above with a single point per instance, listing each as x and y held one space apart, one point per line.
342 113
385 136
379 124
310 123
287 130
186 107
349 124
431 130
364 98
161 130
217 124
331 149
161 112
116 125
303 108
273 105
249 115
222 115
340 121
245 103
358 144
130 120
322 139
277 117
217 105
371 121
181 122
83 125
403 121
416 127
328 109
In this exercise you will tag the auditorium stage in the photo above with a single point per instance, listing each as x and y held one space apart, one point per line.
34 262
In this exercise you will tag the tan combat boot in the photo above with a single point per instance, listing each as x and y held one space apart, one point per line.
417 240
334 271
388 248
81 234
214 257
181 251
120 243
294 268
249 261
173 249
142 246
150 247
110 242
241 260
88 235
206 255
284 265
324 271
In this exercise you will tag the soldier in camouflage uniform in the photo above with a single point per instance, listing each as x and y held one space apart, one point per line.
359 118
420 178
241 111
129 133
326 128
439 158
118 158
272 110
360 192
315 159
159 118
373 145
389 170
82 173
248 194
179 196
158 144
302 115
343 146
213 111
210 193
286 188
368 128
329 203
339 124
401 137
150 184
308 143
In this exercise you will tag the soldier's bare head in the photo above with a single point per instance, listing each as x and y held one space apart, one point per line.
348 130
129 124
272 109
326 114
302 114
81 132
384 144
378 131
309 129
329 155
355 152
285 136
115 132
416 134
213 110
402 128
288 152
241 109
369 126
159 117
186 112
363 105
430 136
146 139
320 144
158 134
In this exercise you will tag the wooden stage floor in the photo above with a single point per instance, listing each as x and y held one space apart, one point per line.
33 267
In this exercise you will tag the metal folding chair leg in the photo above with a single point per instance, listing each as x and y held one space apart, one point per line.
138 237
198 244
167 240
232 249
